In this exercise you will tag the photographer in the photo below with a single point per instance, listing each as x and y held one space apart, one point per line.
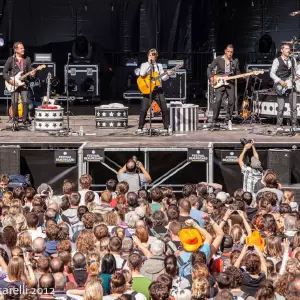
129 174
253 172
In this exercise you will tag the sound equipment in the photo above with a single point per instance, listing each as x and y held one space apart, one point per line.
10 159
175 87
267 82
279 161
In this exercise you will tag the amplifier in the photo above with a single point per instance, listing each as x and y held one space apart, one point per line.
4 93
83 80
175 87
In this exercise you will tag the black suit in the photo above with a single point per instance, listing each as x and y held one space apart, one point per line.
219 65
10 70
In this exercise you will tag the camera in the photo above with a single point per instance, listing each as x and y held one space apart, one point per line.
245 142
250 248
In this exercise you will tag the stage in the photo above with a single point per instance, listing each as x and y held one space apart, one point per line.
121 138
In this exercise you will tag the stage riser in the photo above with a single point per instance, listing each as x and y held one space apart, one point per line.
112 118
270 109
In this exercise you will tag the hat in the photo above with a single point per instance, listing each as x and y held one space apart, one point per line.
157 248
222 196
255 239
191 239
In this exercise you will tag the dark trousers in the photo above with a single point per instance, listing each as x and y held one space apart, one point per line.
23 91
146 103
220 93
292 97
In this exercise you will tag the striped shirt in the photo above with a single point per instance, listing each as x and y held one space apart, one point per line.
251 176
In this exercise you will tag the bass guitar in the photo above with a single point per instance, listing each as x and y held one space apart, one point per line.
219 81
282 89
19 79
147 85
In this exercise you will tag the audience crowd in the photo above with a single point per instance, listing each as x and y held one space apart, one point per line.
133 244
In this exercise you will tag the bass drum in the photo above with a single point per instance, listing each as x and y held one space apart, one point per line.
297 82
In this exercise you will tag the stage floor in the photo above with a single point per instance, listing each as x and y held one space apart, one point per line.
109 138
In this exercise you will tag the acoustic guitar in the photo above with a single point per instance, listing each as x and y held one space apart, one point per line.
20 109
147 85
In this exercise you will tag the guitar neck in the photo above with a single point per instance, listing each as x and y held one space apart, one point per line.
165 73
239 76
27 74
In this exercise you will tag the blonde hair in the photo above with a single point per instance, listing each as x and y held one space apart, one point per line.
24 239
7 198
288 196
153 51
93 291
21 222
16 269
273 246
236 232
200 288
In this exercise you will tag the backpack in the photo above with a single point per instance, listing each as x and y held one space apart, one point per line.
159 236
185 269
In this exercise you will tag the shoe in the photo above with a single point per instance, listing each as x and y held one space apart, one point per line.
229 125
26 123
139 131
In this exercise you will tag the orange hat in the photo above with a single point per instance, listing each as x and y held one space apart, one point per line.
191 239
255 239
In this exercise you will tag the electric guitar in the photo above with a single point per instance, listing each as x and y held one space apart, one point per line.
282 89
146 86
46 99
19 79
219 81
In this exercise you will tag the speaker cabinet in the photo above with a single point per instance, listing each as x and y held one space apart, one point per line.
279 161
10 159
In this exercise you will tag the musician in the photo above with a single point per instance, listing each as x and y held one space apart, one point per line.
23 64
146 68
224 65
281 71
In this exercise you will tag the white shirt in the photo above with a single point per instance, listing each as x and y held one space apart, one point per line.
82 194
36 233
158 68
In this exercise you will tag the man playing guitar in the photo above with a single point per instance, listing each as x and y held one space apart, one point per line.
146 69
281 73
21 64
225 65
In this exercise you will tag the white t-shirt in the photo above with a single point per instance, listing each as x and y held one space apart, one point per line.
36 233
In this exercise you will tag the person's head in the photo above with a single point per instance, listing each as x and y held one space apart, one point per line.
285 208
143 193
7 197
235 275
43 264
9 236
16 269
127 245
188 190
132 199
60 281
52 231
236 233
223 280
85 241
273 246
68 187
266 291
93 291
173 213
85 181
135 262
117 284
74 199
130 166
228 51
270 180
282 285
295 286
89 197
29 194
65 256
198 257
24 240
234 256
4 180
156 195
101 231
288 196
50 214
115 244
174 228
47 283
79 260
200 288
39 245
285 49
56 265
19 48
111 185
142 234
289 223
88 220
131 218
228 241
247 198
32 220
81 211
293 267
270 266
171 265
184 206
296 240
268 223
158 291
152 54
166 279
108 265
252 263
19 193
106 197
211 205
157 248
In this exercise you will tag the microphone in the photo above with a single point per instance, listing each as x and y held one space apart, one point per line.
69 54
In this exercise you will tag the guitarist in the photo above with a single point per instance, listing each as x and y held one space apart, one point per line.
224 65
21 64
282 70
146 69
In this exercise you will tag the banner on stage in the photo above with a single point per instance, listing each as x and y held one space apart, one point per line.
65 156
230 156
93 155
197 155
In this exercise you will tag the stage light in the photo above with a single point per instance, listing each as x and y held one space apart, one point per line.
252 3
88 84
1 42
225 3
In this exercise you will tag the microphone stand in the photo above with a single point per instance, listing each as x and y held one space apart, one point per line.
67 93
150 95
292 131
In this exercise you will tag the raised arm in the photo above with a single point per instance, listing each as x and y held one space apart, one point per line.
241 157
203 232
246 224
218 239
263 262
